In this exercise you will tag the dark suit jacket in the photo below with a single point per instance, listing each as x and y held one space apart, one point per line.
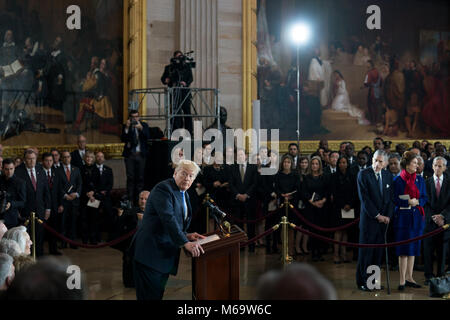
127 138
75 182
36 201
16 196
249 184
105 182
327 170
56 192
75 159
163 230
437 206
372 202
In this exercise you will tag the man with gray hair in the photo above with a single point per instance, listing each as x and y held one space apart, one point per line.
6 271
437 213
377 207
299 281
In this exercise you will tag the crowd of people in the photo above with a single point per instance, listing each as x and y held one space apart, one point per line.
71 192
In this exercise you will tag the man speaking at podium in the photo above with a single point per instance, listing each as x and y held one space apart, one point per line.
162 234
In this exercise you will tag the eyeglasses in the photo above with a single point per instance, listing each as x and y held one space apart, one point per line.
184 174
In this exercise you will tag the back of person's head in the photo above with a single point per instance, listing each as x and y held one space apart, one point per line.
48 279
3 229
18 234
299 281
23 262
10 247
6 270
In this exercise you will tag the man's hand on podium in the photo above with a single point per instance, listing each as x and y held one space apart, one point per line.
194 236
194 248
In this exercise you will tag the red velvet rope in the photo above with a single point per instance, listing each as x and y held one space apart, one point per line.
89 246
366 245
312 225
264 234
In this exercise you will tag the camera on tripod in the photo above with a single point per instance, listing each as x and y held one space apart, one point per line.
183 60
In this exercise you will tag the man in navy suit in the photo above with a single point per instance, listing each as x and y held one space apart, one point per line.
38 198
162 233
377 207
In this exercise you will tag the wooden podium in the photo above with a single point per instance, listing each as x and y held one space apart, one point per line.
215 274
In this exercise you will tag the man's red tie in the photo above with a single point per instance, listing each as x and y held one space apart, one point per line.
438 188
49 177
33 179
68 174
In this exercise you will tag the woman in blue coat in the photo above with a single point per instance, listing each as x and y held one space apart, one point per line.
409 218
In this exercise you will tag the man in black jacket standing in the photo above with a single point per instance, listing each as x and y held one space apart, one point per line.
38 198
54 186
437 213
243 191
135 134
103 188
77 156
15 193
179 74
71 184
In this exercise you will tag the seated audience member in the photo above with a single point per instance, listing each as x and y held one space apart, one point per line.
126 221
48 279
394 165
437 213
287 186
344 192
299 281
10 247
243 179
22 262
20 235
6 271
3 229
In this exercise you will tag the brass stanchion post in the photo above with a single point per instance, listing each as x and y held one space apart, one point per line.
33 233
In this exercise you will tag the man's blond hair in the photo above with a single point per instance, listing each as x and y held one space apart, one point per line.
188 165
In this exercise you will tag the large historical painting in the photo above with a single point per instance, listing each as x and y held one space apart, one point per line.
58 80
355 82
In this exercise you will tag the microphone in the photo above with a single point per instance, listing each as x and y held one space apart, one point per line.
216 210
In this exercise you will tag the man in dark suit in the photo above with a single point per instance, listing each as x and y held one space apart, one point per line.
243 191
361 162
77 156
163 233
421 169
38 198
103 189
71 184
437 213
350 154
56 158
15 194
330 169
135 135
56 195
377 207
294 152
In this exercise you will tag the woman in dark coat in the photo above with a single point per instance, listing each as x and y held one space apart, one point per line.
316 194
344 194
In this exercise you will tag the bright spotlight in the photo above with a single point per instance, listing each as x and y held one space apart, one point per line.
300 33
